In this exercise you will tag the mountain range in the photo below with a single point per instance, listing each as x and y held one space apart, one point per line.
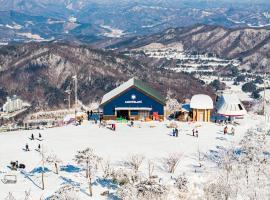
251 46
89 21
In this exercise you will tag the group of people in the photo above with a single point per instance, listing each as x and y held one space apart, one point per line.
225 131
175 132
33 138
195 132
15 165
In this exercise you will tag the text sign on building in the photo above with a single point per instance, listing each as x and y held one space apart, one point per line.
133 100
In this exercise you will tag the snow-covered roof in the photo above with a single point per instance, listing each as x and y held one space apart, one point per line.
230 105
201 101
132 83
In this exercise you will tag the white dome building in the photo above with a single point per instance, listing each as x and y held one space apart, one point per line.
201 106
229 105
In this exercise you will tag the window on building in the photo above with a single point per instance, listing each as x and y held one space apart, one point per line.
240 106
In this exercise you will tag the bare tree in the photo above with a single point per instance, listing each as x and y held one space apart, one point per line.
66 192
199 157
172 161
27 195
10 197
54 160
135 161
151 168
90 161
106 168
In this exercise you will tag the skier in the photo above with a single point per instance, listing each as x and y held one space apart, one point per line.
193 132
88 115
176 132
39 135
32 137
113 127
225 130
197 133
173 132
27 147
38 147
100 119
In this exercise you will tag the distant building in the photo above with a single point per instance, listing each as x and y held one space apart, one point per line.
201 106
133 100
230 106
12 104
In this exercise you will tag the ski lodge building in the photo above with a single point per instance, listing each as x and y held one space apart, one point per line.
133 100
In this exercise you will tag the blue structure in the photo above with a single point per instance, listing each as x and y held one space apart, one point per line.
133 100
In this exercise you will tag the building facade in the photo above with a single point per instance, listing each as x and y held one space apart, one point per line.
133 100
12 104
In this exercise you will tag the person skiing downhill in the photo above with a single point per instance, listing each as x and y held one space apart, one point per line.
27 147
32 137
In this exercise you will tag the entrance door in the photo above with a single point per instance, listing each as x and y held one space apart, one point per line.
143 114
123 114
201 116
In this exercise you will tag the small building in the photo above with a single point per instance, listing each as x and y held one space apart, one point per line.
229 105
133 100
12 104
201 106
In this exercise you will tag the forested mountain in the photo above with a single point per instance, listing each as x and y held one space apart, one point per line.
41 72
251 46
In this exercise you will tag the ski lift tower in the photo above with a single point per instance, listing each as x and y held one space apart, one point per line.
68 91
76 95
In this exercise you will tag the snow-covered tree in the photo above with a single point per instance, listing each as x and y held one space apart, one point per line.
53 160
135 161
218 190
89 160
66 192
151 190
172 161
127 192
151 168
243 172
181 183
172 105
106 168
10 197
122 176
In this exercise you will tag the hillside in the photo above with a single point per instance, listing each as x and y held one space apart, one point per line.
41 72
250 45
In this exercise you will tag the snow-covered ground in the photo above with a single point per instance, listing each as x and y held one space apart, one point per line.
113 32
151 139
